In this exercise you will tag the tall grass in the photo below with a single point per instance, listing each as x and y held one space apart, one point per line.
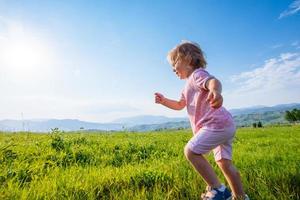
141 165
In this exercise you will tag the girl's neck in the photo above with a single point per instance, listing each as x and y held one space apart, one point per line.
190 70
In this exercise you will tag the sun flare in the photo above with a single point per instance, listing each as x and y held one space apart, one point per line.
24 57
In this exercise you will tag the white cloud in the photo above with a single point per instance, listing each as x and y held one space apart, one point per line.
296 44
293 9
277 81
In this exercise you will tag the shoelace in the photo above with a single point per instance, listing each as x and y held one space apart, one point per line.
209 193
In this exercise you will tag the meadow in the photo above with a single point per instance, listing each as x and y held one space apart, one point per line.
150 165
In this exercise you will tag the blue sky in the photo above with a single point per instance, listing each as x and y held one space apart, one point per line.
102 60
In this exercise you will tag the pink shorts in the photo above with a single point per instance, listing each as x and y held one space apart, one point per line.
220 141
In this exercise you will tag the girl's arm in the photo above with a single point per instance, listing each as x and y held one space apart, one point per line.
214 96
214 84
173 104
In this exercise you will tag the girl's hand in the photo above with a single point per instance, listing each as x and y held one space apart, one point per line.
159 98
215 99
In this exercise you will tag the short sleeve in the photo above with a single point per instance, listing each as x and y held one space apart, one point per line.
200 78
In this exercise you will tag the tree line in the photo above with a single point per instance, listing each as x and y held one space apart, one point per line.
257 125
293 115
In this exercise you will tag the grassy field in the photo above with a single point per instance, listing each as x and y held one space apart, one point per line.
141 165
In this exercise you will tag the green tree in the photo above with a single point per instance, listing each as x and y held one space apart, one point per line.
289 116
296 113
259 124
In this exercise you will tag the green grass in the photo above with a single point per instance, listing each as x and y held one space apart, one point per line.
141 165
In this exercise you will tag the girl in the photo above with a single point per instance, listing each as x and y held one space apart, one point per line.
212 125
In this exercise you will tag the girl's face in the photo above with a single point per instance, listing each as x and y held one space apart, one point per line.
182 69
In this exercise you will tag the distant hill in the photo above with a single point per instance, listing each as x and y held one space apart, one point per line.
63 124
263 109
147 119
268 117
242 117
155 127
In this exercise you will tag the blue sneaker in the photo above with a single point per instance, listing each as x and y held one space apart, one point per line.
216 194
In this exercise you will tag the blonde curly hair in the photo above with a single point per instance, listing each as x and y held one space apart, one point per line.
187 51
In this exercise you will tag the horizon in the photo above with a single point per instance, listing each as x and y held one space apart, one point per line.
133 116
101 61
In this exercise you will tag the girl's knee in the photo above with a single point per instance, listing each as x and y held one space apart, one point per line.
188 153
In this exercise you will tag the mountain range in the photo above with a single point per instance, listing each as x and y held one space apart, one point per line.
242 117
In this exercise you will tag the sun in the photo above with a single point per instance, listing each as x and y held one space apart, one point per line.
22 56
25 58
24 51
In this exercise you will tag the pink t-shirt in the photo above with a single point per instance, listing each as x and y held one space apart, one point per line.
201 114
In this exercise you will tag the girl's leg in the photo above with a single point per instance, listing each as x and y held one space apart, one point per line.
233 177
202 167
